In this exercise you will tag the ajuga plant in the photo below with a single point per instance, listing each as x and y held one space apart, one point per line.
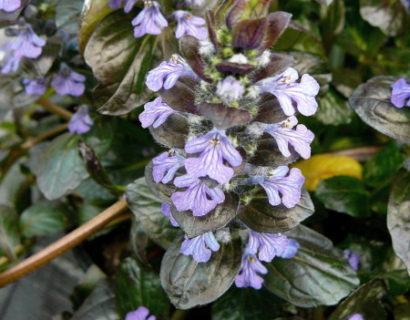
227 110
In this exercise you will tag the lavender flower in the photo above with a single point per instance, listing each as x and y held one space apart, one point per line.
190 25
141 313
155 113
166 165
406 4
353 258
270 246
285 135
400 96
80 122
281 188
356 316
115 4
69 82
149 21
230 89
200 247
12 61
10 5
289 92
27 43
35 86
166 211
214 148
198 197
249 273
167 73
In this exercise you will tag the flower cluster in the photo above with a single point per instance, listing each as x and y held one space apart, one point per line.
221 103
25 43
150 19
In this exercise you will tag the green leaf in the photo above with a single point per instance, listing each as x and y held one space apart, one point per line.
146 207
135 287
334 109
189 283
59 168
120 63
318 275
68 14
390 18
382 167
99 305
332 21
344 194
43 218
365 300
398 217
246 304
371 101
9 232
260 216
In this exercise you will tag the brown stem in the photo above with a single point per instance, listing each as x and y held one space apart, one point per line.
34 141
64 244
360 154
53 108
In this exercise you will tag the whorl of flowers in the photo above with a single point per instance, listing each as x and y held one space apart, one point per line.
222 102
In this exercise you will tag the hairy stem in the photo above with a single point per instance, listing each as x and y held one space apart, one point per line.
53 108
64 244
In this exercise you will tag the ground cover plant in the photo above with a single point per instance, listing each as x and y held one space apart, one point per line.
226 160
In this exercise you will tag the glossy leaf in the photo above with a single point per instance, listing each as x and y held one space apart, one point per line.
120 63
371 101
43 218
135 287
382 167
398 217
246 304
334 109
260 216
67 15
366 300
146 207
189 283
324 166
59 168
9 233
344 194
317 275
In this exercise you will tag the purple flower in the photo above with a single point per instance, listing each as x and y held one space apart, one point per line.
248 275
230 89
115 4
167 73
200 247
80 122
400 96
285 135
214 148
356 316
406 4
190 25
166 211
10 5
166 165
141 313
69 82
281 188
353 258
27 43
290 93
35 86
12 61
198 197
270 246
149 21
155 113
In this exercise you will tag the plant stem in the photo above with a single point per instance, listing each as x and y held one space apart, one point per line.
360 154
62 245
34 141
53 108
179 315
